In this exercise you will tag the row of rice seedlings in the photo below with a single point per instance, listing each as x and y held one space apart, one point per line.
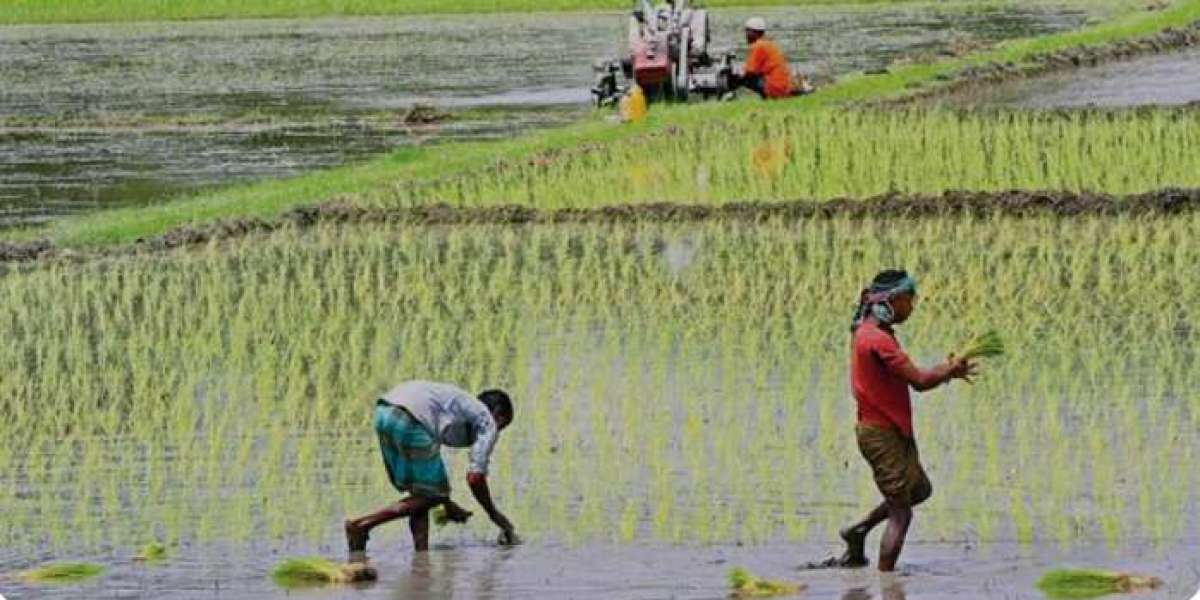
173 395
825 153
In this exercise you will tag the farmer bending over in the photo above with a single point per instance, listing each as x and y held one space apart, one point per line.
880 375
766 71
413 420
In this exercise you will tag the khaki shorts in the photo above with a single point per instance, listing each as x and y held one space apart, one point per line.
895 464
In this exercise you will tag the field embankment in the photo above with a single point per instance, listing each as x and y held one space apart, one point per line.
805 149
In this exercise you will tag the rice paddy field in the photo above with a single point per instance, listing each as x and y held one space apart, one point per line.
95 117
179 423
677 385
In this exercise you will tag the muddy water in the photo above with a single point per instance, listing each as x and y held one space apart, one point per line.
460 567
1165 80
90 115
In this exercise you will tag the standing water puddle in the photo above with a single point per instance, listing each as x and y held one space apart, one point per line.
1163 80
107 115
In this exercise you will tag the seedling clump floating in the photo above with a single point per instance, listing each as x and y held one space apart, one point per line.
63 573
1093 583
315 571
746 585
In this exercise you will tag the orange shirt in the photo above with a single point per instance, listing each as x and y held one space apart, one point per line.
767 61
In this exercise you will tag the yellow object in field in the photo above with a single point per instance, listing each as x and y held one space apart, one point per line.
633 105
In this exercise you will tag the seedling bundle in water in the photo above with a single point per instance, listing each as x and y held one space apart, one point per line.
746 585
315 571
1093 583
152 552
984 345
62 573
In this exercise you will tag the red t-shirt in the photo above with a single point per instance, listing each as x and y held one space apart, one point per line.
882 394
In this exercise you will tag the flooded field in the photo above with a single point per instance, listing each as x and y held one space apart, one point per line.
682 405
100 116
1161 80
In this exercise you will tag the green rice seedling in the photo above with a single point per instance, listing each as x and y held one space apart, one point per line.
987 344
745 585
63 573
1093 583
315 571
152 552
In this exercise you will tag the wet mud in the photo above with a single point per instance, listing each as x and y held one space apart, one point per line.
893 206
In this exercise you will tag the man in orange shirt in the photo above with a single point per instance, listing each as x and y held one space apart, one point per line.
766 71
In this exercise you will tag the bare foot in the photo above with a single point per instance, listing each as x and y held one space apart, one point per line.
356 542
855 555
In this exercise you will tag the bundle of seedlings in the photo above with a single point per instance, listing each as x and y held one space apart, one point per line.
746 585
62 573
315 571
1093 583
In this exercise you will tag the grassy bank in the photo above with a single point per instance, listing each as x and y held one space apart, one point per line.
395 176
93 11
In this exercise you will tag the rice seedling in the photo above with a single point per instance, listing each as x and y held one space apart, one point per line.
64 573
315 571
152 552
745 585
984 345
1093 583
644 390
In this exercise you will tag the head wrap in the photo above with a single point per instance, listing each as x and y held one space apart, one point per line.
876 300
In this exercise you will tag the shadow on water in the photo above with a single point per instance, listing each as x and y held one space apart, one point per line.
316 79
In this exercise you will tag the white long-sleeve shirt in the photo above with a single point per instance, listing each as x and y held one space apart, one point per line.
454 417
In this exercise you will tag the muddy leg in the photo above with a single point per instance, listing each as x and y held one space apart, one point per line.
899 518
359 530
855 537
418 524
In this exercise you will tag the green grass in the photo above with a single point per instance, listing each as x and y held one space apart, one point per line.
63 573
88 11
378 180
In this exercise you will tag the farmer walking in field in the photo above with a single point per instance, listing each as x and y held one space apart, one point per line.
413 421
766 71
880 377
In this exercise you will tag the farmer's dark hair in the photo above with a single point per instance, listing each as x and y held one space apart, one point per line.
889 277
497 402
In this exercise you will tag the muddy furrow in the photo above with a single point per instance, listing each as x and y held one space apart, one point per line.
898 206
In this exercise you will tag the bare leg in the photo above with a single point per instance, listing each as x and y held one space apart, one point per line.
418 524
855 537
359 530
899 518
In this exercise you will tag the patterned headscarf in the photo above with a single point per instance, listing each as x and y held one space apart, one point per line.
876 300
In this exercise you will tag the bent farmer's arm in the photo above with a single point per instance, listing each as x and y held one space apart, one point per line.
481 452
896 361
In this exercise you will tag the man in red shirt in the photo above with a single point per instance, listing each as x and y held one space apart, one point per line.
880 376
766 70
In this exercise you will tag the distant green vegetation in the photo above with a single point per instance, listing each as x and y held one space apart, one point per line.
408 173
63 573
85 11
